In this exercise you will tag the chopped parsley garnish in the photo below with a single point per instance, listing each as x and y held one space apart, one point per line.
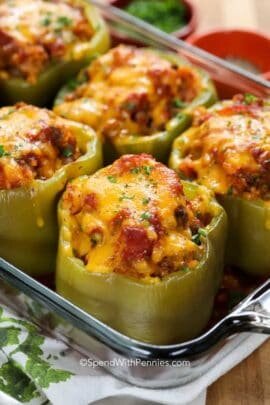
112 179
250 98
180 115
73 84
135 170
197 237
147 170
64 21
145 201
46 21
144 169
3 152
184 269
169 15
67 152
61 23
146 216
177 103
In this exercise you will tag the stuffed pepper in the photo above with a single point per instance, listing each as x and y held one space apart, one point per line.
43 43
136 242
39 152
138 100
228 150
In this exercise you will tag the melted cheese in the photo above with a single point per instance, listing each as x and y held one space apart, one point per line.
28 20
124 219
230 150
34 143
36 31
134 90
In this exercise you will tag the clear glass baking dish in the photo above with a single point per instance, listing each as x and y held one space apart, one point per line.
139 363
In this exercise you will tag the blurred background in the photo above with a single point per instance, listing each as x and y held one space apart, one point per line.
252 14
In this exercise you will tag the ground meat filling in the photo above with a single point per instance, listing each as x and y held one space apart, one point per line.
133 218
136 92
34 144
35 32
231 151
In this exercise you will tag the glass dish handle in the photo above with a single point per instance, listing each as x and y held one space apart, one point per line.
253 314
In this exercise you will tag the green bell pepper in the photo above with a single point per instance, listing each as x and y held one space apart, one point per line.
174 309
57 73
249 234
249 222
28 223
157 144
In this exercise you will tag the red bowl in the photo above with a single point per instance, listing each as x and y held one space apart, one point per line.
182 33
252 46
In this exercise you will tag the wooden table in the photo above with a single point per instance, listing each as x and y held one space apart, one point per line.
246 384
249 382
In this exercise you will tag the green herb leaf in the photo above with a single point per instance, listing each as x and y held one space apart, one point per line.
9 336
14 382
63 21
148 170
146 216
135 170
250 98
112 179
169 15
145 201
72 84
46 21
196 238
3 152
67 152
177 103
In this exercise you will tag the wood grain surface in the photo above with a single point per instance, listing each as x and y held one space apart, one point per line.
249 382
246 384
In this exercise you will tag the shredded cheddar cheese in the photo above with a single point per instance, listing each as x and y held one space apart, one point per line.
133 218
131 91
35 32
228 148
34 143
